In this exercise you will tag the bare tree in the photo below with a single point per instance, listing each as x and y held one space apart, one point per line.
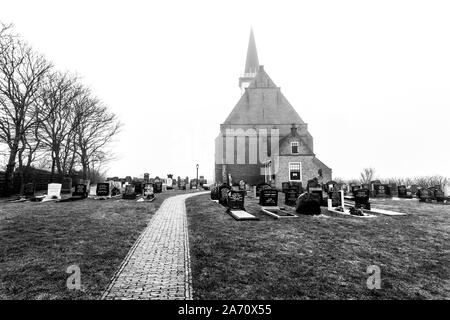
367 175
21 74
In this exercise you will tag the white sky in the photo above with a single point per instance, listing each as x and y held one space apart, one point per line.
371 78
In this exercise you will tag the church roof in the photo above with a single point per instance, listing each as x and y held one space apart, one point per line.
263 103
252 62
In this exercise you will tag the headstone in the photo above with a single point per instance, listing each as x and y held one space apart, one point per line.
129 193
215 193
138 188
330 186
424 195
439 195
66 185
291 196
285 186
29 190
128 179
146 177
268 198
169 181
402 192
242 185
223 194
393 190
53 191
262 186
186 181
308 203
297 185
183 185
148 191
80 191
313 183
381 190
414 190
103 189
354 188
235 200
157 186
362 198
336 199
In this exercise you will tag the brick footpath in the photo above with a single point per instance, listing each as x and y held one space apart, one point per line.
158 264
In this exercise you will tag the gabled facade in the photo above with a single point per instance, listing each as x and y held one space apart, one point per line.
264 139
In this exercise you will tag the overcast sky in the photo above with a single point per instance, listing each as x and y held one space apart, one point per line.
371 78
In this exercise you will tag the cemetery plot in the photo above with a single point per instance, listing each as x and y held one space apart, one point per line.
269 204
235 203
361 202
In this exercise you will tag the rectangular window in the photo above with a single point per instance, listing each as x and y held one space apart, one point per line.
295 171
294 147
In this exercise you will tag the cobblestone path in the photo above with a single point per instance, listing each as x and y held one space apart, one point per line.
158 264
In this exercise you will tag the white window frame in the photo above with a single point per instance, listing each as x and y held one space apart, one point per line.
289 171
298 147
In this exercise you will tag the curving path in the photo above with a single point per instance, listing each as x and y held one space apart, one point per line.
158 264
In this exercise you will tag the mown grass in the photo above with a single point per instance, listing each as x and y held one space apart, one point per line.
319 257
39 241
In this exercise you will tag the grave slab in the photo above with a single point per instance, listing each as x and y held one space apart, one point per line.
241 215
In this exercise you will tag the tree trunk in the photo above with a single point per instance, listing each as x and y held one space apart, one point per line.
9 174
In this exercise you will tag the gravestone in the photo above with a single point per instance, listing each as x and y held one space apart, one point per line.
402 192
66 185
262 186
128 179
268 198
103 189
414 190
242 185
183 184
186 181
424 195
80 191
179 182
381 190
223 194
215 193
146 177
53 192
29 190
235 200
285 186
157 186
297 185
138 188
330 186
193 184
314 184
291 196
439 195
308 203
336 199
148 191
353 188
169 181
393 190
362 198
129 193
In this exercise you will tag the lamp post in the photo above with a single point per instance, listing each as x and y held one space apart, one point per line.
197 176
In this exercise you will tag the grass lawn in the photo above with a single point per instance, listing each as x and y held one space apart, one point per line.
320 257
38 241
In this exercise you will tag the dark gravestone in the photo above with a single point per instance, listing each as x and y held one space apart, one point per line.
381 190
148 191
354 188
29 190
424 195
157 186
146 177
262 186
414 190
186 181
402 192
268 198
103 189
297 185
309 204
223 194
215 193
432 190
313 183
439 195
128 179
138 188
66 185
393 190
179 182
285 186
129 192
330 186
235 200
183 185
335 197
80 191
362 198
291 196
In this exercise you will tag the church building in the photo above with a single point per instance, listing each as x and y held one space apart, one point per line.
264 139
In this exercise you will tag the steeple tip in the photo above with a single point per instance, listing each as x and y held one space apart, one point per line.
252 62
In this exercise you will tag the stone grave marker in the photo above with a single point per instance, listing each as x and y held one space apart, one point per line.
103 189
148 191
146 177
260 187
309 204
439 195
169 181
66 185
393 190
223 194
235 200
285 186
291 196
53 192
183 185
138 188
215 193
29 190
268 198
80 191
402 192
129 193
362 198
414 190
157 186
330 186
336 198
242 185
354 188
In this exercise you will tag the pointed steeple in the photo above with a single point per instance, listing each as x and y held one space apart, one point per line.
252 63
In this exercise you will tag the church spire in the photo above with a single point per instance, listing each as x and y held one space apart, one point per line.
252 63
